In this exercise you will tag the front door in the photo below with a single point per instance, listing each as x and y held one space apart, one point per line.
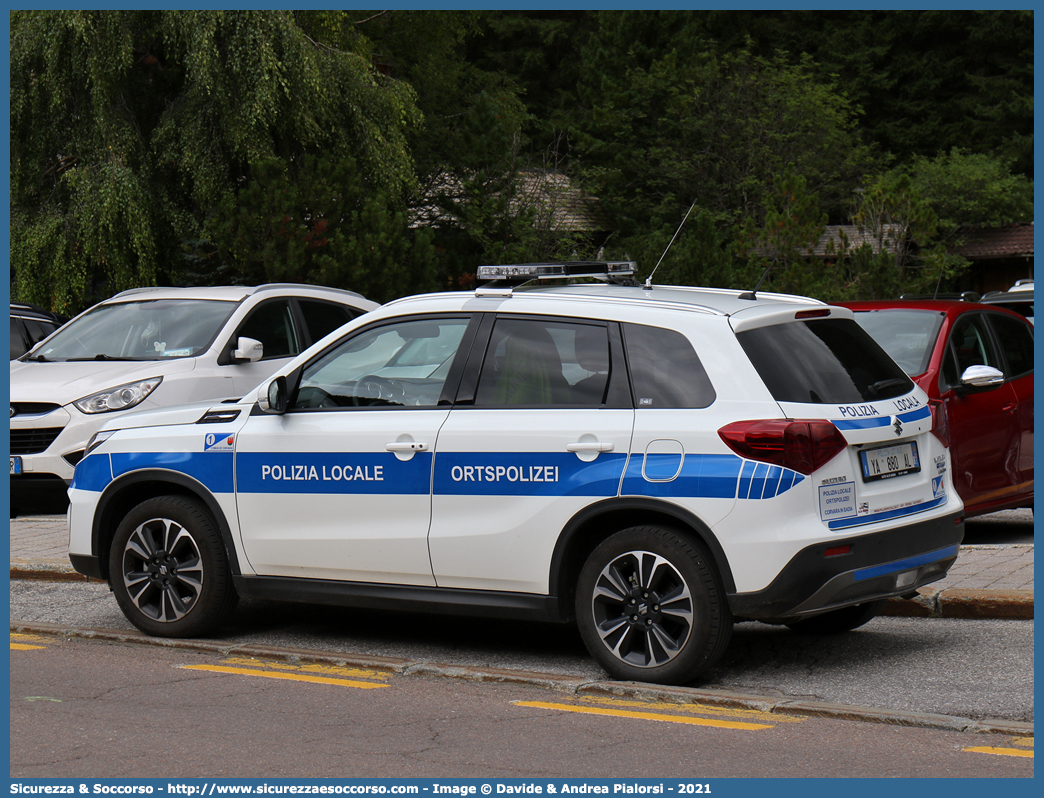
985 430
340 486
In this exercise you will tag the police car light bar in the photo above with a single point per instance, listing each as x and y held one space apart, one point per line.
524 272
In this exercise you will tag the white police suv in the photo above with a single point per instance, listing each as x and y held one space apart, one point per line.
652 462
152 347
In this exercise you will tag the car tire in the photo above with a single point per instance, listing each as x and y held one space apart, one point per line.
836 621
651 608
168 568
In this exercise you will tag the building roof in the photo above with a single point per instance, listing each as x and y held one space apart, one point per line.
838 238
572 211
566 208
851 236
986 243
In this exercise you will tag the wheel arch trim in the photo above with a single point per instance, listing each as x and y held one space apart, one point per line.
102 529
579 525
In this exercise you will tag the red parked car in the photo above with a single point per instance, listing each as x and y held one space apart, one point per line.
975 362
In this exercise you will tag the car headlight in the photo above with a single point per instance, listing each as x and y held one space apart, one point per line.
121 397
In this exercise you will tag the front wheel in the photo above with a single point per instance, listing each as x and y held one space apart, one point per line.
651 608
168 568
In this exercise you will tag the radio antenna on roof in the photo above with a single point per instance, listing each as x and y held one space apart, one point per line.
648 282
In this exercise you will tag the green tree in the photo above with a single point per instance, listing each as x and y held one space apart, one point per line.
480 211
927 81
318 220
925 209
673 128
968 189
793 225
129 128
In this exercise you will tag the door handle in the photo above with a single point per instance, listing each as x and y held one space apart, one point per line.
1010 408
589 446
406 446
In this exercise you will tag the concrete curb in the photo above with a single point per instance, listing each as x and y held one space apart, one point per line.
47 572
1002 605
571 685
962 603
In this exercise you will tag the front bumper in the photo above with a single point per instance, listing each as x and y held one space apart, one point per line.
50 444
879 565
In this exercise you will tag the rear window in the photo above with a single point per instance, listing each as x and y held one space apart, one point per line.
823 361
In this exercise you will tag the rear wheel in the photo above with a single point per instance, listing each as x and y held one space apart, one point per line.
650 606
837 621
168 568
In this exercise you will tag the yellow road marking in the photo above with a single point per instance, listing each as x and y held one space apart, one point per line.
297 677
624 713
700 709
316 669
1000 751
22 642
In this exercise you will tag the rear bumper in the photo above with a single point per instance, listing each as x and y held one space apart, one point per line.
876 566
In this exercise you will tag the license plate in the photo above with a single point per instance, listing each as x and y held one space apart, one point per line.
16 465
890 461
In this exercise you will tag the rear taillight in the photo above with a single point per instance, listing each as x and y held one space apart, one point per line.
940 421
803 446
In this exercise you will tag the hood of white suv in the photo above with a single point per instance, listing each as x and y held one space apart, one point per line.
64 382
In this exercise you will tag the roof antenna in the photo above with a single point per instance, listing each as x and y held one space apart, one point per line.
752 295
648 282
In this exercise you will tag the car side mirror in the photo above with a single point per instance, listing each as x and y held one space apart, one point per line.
981 377
249 349
272 397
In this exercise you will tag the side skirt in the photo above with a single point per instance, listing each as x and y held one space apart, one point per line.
408 598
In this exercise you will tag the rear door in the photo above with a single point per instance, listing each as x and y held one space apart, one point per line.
676 453
541 429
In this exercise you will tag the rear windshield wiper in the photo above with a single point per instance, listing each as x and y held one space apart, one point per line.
880 385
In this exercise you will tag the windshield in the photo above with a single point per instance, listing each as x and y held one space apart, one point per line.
146 330
824 361
907 335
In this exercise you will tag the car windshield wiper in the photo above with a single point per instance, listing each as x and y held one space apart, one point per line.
97 357
880 385
36 359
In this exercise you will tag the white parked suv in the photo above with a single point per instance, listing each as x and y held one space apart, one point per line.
152 347
654 463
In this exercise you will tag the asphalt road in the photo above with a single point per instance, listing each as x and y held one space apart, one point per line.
89 709
968 669
1004 528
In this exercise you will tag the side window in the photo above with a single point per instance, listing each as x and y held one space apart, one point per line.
402 364
969 345
273 325
665 369
35 330
544 363
1016 342
19 341
323 318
